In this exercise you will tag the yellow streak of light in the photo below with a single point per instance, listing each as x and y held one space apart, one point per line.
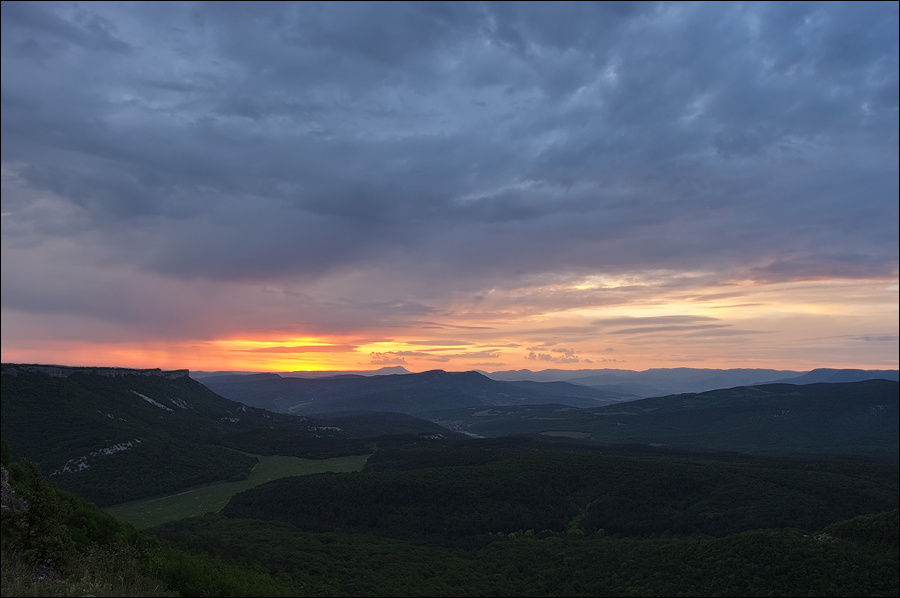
307 364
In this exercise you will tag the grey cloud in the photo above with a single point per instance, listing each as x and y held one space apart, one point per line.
564 358
542 346
452 326
724 332
474 355
671 328
400 356
377 358
878 338
848 266
562 330
407 353
564 355
734 305
460 145
79 27
651 320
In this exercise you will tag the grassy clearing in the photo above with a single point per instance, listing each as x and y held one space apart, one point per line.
211 498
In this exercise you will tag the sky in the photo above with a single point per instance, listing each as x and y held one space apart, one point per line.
306 186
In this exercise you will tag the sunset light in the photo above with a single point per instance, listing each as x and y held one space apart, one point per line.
431 217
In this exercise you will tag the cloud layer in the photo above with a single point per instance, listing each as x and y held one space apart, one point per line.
196 171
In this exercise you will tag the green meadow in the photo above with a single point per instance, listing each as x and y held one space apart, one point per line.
212 497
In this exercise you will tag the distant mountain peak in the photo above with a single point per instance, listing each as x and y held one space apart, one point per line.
390 369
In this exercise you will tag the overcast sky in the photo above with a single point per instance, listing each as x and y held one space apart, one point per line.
450 185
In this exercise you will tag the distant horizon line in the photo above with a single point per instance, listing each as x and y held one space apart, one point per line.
404 368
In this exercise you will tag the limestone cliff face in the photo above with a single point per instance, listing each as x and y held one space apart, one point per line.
8 499
62 371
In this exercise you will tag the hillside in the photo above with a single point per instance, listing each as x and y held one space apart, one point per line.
783 562
57 544
516 517
832 376
402 393
658 382
858 418
653 382
563 512
508 485
113 435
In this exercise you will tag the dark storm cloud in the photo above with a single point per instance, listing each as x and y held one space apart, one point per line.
454 144
77 27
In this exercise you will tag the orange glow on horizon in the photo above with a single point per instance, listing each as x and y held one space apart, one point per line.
796 325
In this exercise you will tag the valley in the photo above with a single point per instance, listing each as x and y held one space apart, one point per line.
707 493
150 512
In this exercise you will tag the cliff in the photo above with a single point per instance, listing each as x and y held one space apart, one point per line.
64 371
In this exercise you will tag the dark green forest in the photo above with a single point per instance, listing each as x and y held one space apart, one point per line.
809 421
585 490
786 562
518 517
388 543
439 513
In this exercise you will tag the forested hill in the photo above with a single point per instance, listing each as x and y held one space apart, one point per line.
832 376
857 418
657 382
510 517
401 393
112 434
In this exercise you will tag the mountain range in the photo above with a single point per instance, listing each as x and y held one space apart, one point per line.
664 381
396 369
832 375
403 393
114 434
622 384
